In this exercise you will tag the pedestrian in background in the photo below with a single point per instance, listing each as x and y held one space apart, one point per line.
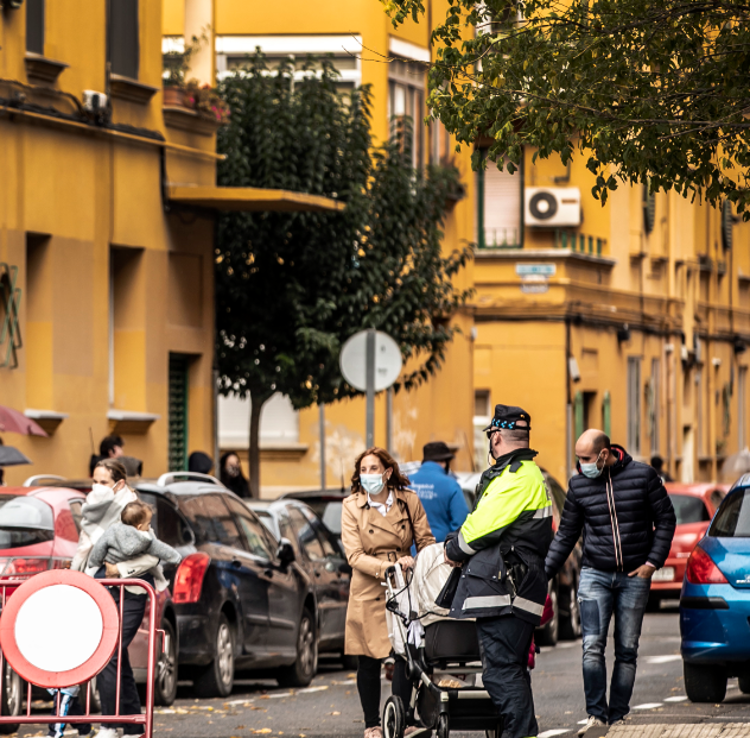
200 462
111 447
501 547
380 520
440 494
658 463
628 523
231 476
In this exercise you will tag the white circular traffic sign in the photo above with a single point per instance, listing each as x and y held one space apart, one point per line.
75 612
353 361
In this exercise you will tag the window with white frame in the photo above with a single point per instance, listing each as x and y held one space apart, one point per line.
634 405
406 96
235 52
498 222
279 422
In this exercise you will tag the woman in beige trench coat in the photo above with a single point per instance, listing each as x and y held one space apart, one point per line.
380 521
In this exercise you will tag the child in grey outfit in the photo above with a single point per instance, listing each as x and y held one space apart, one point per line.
131 538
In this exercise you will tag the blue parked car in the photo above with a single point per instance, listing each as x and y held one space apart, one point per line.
715 602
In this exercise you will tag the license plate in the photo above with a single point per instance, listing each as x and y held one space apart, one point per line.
665 574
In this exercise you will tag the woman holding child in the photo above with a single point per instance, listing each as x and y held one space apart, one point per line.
116 542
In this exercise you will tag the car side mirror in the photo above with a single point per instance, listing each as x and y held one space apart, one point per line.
285 552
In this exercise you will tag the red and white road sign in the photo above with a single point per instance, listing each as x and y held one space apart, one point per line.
59 628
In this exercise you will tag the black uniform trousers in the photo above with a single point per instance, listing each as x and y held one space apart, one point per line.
133 608
505 642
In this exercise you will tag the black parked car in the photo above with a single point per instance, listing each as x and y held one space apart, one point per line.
241 600
318 552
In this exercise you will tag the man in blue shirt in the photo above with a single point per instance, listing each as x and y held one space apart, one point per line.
440 494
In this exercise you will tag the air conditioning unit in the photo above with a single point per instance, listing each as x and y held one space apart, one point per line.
550 207
94 101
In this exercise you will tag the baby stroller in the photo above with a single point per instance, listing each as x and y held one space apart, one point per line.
442 655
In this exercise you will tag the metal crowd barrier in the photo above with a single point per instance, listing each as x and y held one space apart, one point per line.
145 718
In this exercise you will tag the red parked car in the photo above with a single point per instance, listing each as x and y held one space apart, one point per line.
39 528
694 506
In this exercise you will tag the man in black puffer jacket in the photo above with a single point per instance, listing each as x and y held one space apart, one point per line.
628 523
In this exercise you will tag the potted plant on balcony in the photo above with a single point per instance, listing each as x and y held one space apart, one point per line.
176 65
206 101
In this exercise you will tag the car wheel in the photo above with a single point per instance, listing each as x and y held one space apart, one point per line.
570 624
547 636
12 698
705 683
217 679
301 672
394 718
165 685
443 726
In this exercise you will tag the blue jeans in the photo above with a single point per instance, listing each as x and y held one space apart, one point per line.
600 595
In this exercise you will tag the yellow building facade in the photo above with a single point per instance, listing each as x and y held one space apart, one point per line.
366 50
633 317
106 284
635 320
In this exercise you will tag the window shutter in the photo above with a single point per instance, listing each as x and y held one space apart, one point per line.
578 407
122 37
607 413
502 208
178 412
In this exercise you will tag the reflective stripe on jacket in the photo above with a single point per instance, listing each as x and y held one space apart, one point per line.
504 542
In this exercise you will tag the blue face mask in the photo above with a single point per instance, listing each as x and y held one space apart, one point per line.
592 471
372 483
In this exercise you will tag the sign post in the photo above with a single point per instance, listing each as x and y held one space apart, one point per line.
370 361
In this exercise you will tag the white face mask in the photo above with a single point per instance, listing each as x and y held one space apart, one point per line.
372 483
100 492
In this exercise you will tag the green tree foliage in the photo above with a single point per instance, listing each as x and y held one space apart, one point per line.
292 287
648 90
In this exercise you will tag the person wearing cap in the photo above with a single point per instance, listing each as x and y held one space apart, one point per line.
440 494
501 548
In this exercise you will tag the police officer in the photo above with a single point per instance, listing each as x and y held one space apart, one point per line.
501 547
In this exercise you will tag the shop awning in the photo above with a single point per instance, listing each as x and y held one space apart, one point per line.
252 199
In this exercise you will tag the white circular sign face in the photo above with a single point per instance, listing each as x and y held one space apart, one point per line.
58 628
353 361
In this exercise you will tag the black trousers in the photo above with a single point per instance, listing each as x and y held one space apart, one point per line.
368 686
133 608
505 645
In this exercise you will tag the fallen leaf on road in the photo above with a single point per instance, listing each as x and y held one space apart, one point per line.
302 735
348 676
334 713
240 727
263 730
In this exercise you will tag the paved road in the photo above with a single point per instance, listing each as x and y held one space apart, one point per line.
330 706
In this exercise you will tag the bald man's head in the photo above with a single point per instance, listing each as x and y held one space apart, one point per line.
594 445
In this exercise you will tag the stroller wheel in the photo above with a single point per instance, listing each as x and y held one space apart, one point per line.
394 718
443 727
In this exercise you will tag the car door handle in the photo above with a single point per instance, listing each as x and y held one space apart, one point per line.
236 563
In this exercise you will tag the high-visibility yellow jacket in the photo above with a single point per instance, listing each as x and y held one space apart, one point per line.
503 543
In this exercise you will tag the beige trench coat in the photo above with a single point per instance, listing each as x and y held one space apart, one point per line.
372 543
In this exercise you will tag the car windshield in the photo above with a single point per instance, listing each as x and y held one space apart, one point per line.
24 521
733 518
689 509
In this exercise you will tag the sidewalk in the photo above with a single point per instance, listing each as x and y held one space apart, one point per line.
662 730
